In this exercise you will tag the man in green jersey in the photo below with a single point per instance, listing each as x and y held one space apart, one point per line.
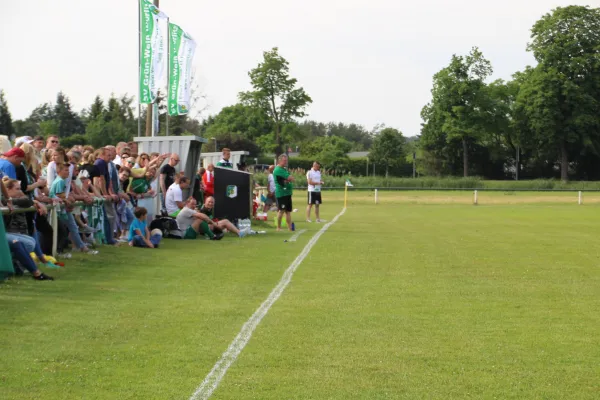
283 191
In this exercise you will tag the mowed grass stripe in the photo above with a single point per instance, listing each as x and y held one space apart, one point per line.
433 301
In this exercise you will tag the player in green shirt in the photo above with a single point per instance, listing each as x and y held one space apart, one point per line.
283 191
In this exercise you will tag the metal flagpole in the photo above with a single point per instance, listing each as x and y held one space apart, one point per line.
139 6
168 70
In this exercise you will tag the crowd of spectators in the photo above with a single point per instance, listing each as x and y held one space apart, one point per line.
100 196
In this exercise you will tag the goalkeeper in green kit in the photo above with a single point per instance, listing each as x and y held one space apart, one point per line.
283 191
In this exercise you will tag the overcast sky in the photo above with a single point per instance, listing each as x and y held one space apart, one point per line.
361 61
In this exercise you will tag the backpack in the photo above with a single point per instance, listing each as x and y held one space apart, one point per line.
168 226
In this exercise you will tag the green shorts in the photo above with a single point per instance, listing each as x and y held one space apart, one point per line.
190 233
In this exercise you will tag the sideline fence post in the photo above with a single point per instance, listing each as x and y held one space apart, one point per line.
580 198
475 198
375 196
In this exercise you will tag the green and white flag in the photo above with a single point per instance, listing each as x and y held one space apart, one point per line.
152 51
181 54
348 183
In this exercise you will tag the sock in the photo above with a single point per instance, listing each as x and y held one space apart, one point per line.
204 228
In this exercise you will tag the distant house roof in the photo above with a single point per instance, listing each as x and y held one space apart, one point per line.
358 154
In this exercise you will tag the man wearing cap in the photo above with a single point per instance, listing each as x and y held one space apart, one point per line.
10 160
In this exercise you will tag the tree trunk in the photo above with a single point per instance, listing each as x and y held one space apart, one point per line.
278 149
564 163
465 159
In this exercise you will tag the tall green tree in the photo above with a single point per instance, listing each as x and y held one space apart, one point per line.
561 98
459 102
275 92
388 149
68 121
6 125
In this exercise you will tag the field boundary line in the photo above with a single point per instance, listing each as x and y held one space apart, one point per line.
297 235
216 374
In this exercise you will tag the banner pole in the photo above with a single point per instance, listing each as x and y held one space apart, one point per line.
168 69
139 121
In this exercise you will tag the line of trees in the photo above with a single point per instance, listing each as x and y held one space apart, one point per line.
543 123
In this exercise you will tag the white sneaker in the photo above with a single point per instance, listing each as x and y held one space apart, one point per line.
64 255
308 220
319 221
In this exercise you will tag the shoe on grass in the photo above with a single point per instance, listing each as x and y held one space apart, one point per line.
43 277
89 251
51 265
308 220
218 236
65 255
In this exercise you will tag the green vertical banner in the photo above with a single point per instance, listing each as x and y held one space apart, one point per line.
181 54
152 51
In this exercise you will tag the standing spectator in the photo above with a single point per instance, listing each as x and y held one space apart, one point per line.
10 160
225 163
121 149
283 192
174 198
59 190
199 186
270 190
139 235
52 142
59 156
102 182
208 179
167 176
313 179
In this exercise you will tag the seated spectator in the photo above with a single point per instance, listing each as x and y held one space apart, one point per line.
194 223
208 179
139 235
224 224
20 252
174 198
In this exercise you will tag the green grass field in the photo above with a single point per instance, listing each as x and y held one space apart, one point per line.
421 296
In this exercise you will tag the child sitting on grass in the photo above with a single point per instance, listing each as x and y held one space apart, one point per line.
139 235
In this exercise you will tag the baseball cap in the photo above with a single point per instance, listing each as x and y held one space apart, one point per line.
15 151
23 139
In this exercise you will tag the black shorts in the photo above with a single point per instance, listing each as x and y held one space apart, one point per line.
314 198
284 203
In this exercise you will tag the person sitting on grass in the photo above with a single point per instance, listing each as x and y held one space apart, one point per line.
174 198
222 225
139 235
194 223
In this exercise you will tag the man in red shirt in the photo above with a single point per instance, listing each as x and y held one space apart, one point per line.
209 181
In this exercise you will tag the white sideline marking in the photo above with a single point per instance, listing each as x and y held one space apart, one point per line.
216 374
297 235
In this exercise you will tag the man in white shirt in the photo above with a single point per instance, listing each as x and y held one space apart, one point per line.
313 178
271 189
174 197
